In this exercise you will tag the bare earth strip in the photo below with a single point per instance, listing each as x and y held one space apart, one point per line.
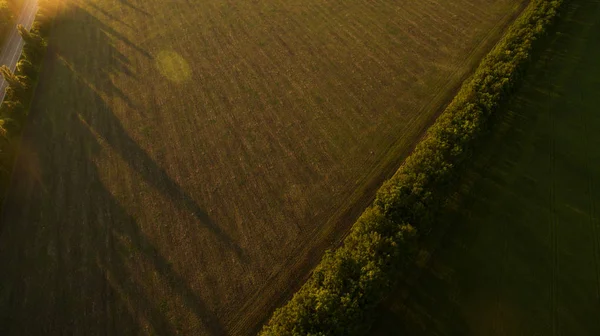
186 163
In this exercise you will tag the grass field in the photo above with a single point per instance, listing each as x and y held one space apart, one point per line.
522 251
186 163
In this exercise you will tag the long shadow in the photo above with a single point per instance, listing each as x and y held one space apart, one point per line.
109 126
110 15
473 254
134 7
70 254
92 232
433 305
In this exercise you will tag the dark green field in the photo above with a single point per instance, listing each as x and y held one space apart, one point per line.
521 254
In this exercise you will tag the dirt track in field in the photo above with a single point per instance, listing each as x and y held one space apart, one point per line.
186 166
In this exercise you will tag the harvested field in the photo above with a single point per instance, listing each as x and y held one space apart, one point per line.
522 252
186 163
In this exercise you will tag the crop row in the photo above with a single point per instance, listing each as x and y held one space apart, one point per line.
340 296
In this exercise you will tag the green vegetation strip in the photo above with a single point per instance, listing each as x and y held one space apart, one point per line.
20 90
339 297
521 253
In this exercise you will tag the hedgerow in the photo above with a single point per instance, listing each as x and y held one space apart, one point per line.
21 86
340 295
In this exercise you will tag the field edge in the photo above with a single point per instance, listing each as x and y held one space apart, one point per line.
296 313
328 235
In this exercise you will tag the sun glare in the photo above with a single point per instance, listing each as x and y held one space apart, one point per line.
174 67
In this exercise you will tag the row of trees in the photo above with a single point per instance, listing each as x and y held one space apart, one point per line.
21 84
340 296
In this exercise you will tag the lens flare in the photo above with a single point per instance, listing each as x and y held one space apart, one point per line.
174 67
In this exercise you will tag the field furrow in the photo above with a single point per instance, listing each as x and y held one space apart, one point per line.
197 157
593 199
595 223
553 227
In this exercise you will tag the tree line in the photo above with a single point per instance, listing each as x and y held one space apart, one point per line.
340 296
20 89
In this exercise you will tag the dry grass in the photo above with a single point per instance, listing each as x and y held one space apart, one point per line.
187 162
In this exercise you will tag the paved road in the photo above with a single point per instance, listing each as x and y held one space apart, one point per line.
11 50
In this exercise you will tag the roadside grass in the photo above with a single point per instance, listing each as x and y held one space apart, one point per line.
521 254
185 166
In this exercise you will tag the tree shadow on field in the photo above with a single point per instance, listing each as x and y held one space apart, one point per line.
90 269
485 264
134 7
109 15
434 304
109 60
